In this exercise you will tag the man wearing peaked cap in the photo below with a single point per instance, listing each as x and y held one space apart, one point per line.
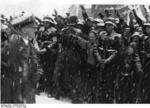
99 25
137 28
110 27
99 22
135 34
110 41
110 21
147 24
113 36
110 18
48 19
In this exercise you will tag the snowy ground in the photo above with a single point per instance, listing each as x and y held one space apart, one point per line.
44 99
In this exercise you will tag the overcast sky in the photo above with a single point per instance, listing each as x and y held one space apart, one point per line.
37 7
44 7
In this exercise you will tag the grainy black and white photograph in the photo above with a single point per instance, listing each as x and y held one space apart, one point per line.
74 53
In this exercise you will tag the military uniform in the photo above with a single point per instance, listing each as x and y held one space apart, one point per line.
24 76
67 68
47 39
21 69
132 71
111 49
146 67
92 63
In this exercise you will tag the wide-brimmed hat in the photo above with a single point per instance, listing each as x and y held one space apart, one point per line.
110 20
48 19
99 22
137 34
136 25
23 20
102 33
147 24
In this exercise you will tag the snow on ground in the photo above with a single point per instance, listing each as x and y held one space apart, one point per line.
44 99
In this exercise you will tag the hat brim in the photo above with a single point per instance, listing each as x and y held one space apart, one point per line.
100 24
46 20
147 24
135 34
79 23
109 22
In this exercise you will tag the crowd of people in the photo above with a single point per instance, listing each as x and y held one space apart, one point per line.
94 60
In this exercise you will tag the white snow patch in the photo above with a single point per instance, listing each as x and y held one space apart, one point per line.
44 99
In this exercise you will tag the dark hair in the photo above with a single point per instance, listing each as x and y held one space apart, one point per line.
73 19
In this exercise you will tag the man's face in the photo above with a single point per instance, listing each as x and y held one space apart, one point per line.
147 29
46 24
90 23
30 31
139 29
92 37
58 20
126 32
109 27
94 24
8 31
136 39
103 35
54 39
